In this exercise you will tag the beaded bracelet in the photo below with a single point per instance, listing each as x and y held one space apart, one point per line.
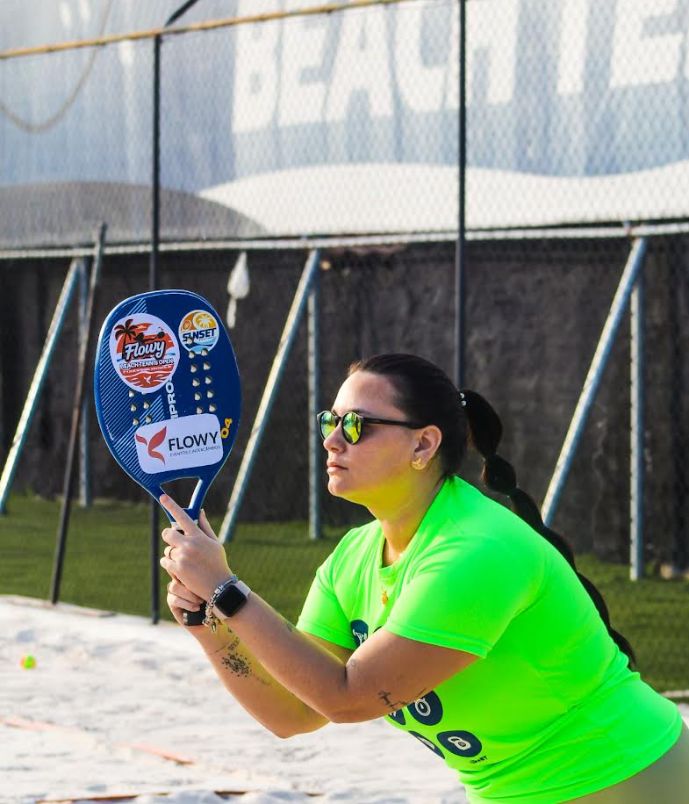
210 620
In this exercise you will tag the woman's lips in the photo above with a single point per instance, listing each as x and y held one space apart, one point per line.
335 467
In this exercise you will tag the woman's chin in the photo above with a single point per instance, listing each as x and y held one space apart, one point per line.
338 488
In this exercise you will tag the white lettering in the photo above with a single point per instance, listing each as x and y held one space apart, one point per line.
127 54
303 43
85 10
255 66
484 34
572 61
638 58
155 349
65 14
422 707
420 85
362 64
171 401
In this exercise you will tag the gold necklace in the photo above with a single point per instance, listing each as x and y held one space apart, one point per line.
384 597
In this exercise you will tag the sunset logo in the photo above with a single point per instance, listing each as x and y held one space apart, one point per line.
199 331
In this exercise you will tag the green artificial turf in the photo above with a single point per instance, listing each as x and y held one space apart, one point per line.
107 566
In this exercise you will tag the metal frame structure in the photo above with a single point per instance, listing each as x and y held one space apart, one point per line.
80 396
630 287
33 396
287 339
627 284
613 232
84 433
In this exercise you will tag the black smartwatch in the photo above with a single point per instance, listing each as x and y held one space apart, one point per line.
231 596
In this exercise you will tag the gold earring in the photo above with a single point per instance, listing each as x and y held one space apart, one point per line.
417 464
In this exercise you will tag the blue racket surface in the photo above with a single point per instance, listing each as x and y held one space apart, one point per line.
167 392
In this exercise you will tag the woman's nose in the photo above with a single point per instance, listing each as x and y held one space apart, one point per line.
334 442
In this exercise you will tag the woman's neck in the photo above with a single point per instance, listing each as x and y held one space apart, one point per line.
400 521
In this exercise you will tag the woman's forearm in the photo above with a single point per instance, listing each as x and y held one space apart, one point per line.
258 692
308 670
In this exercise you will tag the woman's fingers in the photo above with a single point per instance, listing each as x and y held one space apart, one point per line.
173 536
180 516
182 603
205 526
178 590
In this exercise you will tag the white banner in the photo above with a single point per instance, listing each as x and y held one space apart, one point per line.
348 122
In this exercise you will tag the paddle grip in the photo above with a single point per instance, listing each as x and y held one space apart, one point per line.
193 617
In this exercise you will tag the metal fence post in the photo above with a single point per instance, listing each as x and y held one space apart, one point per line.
286 340
593 378
37 383
84 451
315 448
82 372
636 546
460 248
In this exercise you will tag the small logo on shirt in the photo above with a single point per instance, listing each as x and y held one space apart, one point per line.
359 631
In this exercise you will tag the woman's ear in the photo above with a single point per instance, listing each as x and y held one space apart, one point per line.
428 444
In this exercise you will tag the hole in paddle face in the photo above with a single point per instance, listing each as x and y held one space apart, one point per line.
181 490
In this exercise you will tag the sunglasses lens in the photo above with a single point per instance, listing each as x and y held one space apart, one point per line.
351 427
326 423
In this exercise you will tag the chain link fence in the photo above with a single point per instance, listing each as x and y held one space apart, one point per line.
342 129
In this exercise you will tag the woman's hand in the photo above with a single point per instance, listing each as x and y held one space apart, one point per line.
181 599
194 557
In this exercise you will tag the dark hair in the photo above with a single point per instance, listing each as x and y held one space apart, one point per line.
426 394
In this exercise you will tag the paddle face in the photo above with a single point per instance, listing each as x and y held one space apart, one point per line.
167 390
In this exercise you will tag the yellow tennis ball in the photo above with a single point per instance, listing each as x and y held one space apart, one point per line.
28 661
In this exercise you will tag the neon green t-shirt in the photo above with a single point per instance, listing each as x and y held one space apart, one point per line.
551 711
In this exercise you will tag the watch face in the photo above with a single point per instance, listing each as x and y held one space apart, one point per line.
231 600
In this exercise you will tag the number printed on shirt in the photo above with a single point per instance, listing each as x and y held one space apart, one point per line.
427 710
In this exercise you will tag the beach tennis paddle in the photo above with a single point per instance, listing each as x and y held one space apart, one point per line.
167 393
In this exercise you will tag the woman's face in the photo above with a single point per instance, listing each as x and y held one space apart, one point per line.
378 466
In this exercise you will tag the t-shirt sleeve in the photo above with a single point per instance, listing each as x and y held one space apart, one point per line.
465 599
322 614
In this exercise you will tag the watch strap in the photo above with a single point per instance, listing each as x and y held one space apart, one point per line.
230 596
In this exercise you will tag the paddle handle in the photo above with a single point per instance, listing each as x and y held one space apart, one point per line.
192 617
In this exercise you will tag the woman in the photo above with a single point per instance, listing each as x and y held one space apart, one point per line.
462 622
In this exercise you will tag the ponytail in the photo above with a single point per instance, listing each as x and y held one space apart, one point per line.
485 432
465 418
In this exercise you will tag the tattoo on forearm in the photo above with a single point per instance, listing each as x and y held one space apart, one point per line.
395 705
237 665
231 645
392 705
240 665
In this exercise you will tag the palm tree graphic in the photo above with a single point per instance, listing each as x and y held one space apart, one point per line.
125 332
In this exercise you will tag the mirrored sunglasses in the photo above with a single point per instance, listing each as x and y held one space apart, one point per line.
353 424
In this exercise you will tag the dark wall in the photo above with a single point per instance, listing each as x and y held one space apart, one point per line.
535 311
